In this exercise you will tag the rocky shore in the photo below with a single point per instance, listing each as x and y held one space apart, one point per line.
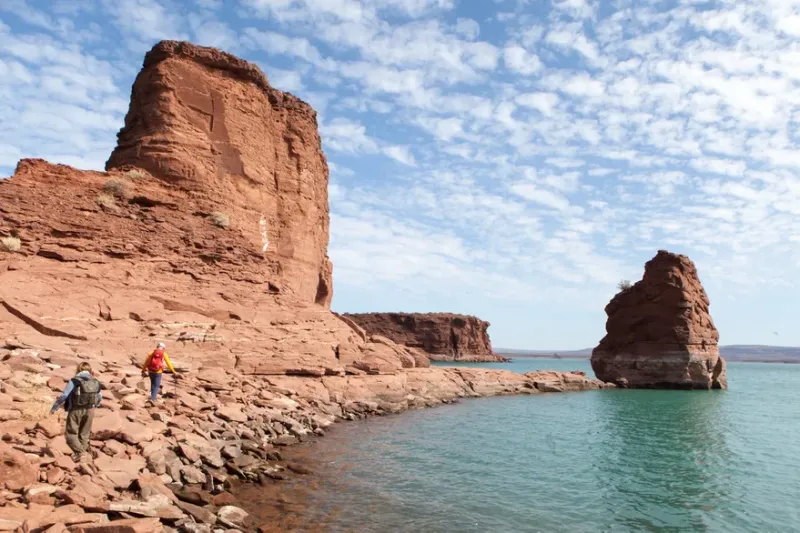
171 467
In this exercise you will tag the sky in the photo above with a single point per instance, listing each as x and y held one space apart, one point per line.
511 159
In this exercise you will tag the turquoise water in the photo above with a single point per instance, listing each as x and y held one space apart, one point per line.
612 460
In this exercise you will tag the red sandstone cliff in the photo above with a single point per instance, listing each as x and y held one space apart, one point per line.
443 336
211 165
660 333
211 124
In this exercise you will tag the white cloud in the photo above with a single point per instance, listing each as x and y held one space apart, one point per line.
537 194
545 103
347 136
520 60
401 153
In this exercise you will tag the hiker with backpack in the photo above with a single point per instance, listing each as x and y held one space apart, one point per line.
154 367
80 398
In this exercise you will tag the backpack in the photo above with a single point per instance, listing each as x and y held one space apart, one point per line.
85 393
156 363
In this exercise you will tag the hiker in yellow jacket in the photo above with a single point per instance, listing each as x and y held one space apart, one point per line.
154 367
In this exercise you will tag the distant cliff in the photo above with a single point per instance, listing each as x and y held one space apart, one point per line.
444 336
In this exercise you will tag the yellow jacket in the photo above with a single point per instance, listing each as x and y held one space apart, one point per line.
166 361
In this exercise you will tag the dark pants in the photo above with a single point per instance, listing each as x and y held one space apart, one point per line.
155 385
79 429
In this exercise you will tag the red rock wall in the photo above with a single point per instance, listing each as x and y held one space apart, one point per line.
444 336
660 332
210 123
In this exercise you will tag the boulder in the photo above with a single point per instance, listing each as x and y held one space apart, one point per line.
660 333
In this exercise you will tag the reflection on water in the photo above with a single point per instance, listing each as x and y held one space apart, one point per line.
613 460
666 470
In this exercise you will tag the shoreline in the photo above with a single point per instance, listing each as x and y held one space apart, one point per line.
179 465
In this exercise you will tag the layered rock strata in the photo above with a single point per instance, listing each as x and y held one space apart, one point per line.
660 333
443 336
210 124
169 244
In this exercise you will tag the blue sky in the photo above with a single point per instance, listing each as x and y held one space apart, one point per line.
512 159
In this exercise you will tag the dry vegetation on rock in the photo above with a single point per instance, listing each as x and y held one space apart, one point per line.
106 200
220 220
10 244
117 188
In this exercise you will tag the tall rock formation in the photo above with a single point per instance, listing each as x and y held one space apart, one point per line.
210 123
660 333
443 336
212 165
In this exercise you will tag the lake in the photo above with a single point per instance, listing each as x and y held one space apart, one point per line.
609 460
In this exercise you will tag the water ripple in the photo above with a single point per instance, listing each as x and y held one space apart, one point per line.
604 461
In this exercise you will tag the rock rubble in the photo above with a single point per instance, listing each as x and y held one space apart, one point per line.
171 467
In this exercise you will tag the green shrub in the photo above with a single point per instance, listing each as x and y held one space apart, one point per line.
624 285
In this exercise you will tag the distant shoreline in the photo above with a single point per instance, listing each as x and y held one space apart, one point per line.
554 355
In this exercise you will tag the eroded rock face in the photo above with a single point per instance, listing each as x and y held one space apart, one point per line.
660 333
443 336
211 124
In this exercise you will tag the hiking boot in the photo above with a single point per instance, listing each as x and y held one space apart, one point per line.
76 457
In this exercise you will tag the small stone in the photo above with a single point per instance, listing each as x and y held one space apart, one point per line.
55 475
50 427
9 414
231 413
231 451
223 498
200 514
231 516
192 474
130 525
114 447
189 452
16 472
285 440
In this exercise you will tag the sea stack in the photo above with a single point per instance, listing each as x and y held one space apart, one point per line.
443 336
659 333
